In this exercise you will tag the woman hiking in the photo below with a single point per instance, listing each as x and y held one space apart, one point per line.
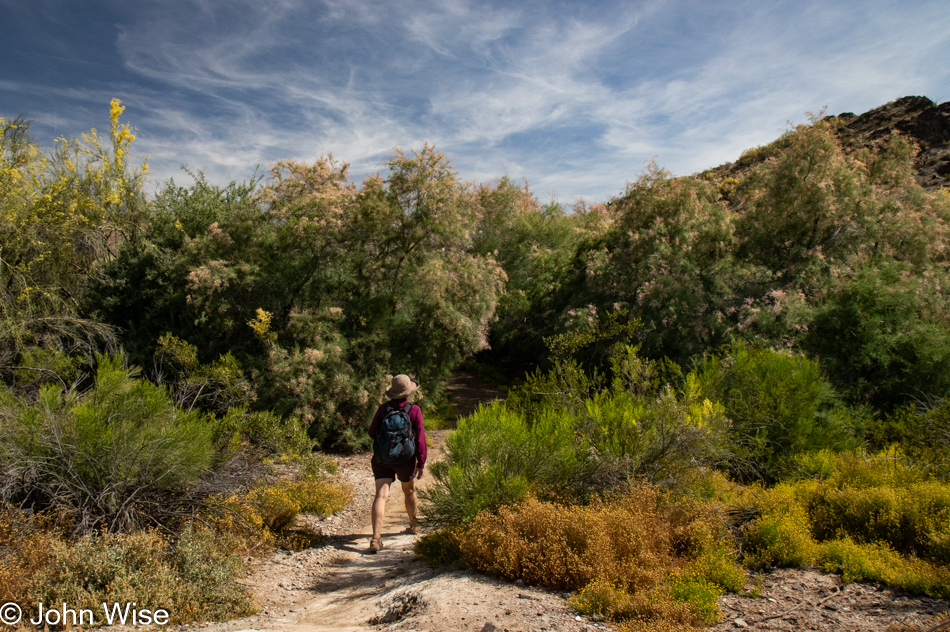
399 451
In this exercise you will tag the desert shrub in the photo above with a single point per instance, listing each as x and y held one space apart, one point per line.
780 407
877 562
870 519
320 497
495 458
654 625
631 540
853 469
637 611
277 505
214 387
208 565
601 597
920 432
882 335
440 548
316 466
106 455
702 596
781 534
25 539
191 577
560 436
262 513
889 506
717 565
263 431
629 557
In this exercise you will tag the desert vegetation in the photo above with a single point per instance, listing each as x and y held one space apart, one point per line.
707 375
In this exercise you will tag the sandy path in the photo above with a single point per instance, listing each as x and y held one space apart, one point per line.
341 587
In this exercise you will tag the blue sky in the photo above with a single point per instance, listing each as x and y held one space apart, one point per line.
575 97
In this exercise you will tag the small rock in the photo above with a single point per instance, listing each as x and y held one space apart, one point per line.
578 618
740 623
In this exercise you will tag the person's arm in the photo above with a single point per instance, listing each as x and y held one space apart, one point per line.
415 416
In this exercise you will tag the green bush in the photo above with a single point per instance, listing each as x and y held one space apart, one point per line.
107 455
214 387
883 337
877 562
780 407
440 548
557 437
781 537
909 516
871 519
717 565
495 458
920 432
268 510
701 595
263 431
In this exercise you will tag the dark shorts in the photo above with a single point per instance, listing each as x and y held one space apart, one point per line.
404 473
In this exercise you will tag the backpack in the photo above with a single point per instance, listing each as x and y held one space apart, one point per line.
395 442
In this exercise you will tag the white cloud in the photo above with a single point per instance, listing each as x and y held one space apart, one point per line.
574 97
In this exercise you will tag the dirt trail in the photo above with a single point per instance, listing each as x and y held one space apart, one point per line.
340 587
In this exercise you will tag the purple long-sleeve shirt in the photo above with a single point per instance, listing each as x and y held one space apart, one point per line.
415 418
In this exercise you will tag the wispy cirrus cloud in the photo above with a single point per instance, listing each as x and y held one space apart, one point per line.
574 97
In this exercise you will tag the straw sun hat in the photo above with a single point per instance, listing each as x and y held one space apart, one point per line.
402 386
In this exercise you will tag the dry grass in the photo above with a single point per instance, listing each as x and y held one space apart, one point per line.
638 557
192 577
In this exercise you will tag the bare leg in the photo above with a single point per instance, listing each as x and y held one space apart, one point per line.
409 491
379 505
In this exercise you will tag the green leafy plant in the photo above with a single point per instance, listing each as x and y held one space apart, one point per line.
106 455
780 406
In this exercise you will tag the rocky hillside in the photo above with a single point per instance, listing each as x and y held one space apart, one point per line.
926 123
